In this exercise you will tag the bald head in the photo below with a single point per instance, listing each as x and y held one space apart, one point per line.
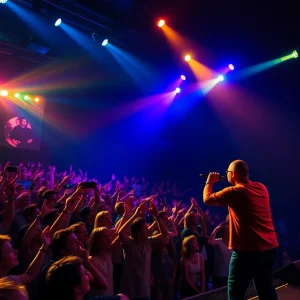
238 172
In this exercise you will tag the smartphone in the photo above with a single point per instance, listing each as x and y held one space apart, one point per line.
69 186
12 169
88 185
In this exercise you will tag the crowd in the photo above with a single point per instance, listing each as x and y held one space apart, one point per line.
66 236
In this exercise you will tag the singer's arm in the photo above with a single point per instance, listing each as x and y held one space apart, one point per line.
207 195
221 198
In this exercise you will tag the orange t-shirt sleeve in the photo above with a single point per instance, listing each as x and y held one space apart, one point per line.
223 197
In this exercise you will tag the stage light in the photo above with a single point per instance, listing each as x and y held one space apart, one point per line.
3 1
4 93
231 67
221 78
295 54
161 23
105 42
183 77
187 57
36 99
178 90
17 95
58 22
26 97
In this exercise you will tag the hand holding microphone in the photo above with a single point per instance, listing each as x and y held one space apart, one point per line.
212 177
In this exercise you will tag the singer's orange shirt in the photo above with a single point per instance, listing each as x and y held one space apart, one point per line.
250 222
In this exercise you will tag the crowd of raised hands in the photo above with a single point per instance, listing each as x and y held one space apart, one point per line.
64 235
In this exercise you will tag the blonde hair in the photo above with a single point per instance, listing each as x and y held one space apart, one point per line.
187 219
186 245
95 239
99 218
9 287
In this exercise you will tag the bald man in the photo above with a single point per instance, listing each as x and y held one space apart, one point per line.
252 235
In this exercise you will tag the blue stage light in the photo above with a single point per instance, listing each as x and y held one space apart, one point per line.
105 42
58 22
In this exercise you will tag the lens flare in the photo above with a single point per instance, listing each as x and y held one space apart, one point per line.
161 23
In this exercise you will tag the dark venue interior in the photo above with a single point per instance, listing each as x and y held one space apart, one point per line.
101 106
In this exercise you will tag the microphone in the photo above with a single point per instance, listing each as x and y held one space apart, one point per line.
204 176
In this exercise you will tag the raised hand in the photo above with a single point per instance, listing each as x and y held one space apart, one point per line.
141 209
10 190
46 237
153 209
47 208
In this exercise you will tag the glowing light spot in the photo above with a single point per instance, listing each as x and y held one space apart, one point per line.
17 95
295 54
221 78
231 67
105 42
3 1
178 90
161 23
4 93
26 97
183 77
36 99
58 22
187 57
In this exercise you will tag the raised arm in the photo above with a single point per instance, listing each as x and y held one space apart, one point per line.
37 263
212 238
124 231
10 208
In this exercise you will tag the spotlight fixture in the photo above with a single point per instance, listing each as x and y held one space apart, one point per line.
178 90
161 23
17 95
183 77
3 1
26 98
58 22
187 57
105 42
36 99
4 93
221 78
295 54
231 67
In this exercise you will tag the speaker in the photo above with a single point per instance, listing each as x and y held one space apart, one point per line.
290 274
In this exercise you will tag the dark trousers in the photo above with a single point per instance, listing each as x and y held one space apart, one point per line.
219 282
247 266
